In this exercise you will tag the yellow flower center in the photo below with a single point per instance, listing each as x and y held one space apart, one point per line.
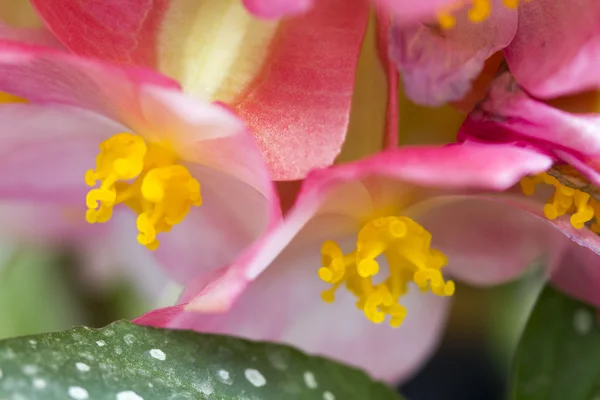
146 178
566 200
480 11
406 246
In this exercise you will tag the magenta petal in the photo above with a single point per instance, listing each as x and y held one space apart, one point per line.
45 151
277 8
510 115
437 68
548 62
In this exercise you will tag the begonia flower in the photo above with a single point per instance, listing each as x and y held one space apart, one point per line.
379 235
290 80
127 141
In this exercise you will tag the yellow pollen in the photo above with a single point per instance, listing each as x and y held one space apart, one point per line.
579 205
146 178
479 11
406 246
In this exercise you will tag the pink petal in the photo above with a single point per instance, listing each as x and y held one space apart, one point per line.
511 115
18 21
299 110
548 62
437 68
495 241
577 273
47 151
302 319
278 8
42 75
118 30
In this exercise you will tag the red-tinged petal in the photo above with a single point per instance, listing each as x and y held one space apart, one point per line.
510 115
117 30
47 151
439 67
278 8
298 110
302 319
41 75
548 62
269 73
18 21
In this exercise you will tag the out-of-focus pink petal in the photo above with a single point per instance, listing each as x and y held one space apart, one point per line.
278 8
578 274
548 62
439 66
45 151
42 75
299 110
510 115
82 27
487 242
302 319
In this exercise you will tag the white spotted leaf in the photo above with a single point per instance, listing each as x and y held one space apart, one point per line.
124 361
558 356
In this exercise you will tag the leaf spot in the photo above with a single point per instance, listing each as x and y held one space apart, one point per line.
327 395
78 393
224 376
309 379
83 367
255 377
101 343
582 321
158 354
129 395
30 370
39 383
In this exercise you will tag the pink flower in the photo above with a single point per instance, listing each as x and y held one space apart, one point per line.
291 81
545 42
423 208
120 139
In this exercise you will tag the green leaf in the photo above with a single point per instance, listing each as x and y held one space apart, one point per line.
558 357
129 362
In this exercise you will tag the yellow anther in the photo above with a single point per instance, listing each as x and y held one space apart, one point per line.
406 246
566 200
144 177
478 11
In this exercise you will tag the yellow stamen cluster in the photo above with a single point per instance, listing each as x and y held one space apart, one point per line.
480 11
406 246
144 177
565 200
